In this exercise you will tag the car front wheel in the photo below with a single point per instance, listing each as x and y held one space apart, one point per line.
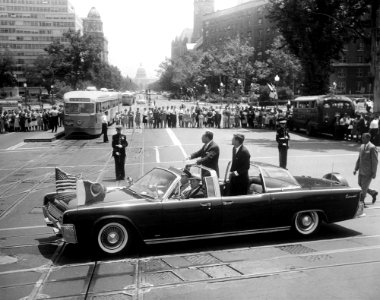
113 238
306 223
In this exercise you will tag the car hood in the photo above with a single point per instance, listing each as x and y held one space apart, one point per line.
112 195
317 183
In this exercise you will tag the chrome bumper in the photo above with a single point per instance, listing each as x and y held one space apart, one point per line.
67 231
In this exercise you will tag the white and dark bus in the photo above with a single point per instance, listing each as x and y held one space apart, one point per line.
83 111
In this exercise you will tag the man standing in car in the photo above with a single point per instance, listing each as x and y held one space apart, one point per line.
209 154
239 179
119 143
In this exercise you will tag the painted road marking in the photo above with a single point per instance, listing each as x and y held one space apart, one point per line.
176 141
157 154
16 146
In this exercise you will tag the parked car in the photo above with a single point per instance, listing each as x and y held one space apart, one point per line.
140 101
150 210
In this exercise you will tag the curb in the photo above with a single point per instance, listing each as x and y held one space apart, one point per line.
56 136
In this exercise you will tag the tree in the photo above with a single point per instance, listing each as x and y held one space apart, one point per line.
7 78
78 60
316 31
236 62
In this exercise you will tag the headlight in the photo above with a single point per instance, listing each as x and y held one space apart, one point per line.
69 233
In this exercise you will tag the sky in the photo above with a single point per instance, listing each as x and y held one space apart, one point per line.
141 31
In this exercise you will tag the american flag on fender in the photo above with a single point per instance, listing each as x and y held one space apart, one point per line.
65 184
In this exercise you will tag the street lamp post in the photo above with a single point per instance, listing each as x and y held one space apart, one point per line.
26 93
52 94
276 80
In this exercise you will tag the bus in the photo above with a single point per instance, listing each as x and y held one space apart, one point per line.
319 114
128 98
83 111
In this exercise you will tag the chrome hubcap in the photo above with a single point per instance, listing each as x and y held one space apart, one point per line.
113 238
306 221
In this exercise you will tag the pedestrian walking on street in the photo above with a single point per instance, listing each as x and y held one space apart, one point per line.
119 143
282 138
208 155
105 127
367 166
239 180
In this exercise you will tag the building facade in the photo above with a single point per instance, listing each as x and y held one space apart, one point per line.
247 20
93 26
201 8
27 27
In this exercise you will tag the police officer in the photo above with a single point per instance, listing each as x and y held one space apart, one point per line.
282 138
119 143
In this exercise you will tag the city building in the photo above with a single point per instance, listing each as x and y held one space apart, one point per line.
247 20
28 27
93 26
190 38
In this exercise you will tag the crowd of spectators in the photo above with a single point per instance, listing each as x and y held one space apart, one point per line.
195 116
25 120
352 128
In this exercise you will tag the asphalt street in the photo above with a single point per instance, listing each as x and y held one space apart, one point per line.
342 261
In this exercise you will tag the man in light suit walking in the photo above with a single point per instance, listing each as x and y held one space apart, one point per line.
367 167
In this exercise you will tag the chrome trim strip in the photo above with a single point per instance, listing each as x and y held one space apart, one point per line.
215 235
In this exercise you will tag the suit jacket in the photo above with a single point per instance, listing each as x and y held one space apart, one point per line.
194 193
209 157
367 160
116 140
240 162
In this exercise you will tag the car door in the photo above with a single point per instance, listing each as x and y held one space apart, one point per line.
247 212
189 217
241 213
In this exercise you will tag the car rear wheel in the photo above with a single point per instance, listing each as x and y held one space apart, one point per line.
113 238
306 223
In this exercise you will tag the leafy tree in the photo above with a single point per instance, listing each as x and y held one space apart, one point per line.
316 31
7 77
77 60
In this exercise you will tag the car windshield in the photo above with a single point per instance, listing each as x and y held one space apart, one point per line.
275 178
154 184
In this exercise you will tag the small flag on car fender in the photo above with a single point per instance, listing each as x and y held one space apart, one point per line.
65 185
89 192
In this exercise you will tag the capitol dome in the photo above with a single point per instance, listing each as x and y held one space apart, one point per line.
93 14
141 73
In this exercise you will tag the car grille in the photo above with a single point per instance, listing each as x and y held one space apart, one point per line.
55 212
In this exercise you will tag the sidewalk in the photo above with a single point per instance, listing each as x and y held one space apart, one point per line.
46 136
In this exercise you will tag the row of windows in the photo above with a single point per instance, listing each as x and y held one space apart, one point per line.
23 46
359 59
33 38
31 8
359 72
36 16
50 2
21 31
38 23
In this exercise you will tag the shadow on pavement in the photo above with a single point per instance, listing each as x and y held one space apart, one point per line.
76 254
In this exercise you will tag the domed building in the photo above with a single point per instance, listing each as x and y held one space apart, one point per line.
93 25
141 78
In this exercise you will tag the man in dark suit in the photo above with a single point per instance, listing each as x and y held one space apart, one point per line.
367 167
208 154
119 143
282 138
239 179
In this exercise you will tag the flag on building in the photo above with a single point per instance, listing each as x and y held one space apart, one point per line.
65 185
